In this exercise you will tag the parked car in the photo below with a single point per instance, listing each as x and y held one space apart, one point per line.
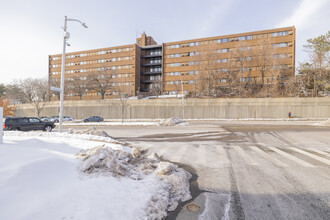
93 118
43 118
56 119
27 124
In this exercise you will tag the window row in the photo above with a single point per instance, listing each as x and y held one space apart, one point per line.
191 44
178 82
114 59
281 33
93 53
192 72
191 63
176 55
93 61
241 38
112 51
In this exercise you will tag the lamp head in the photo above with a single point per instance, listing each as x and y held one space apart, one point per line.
85 26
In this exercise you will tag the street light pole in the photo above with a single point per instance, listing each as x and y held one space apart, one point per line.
65 38
182 99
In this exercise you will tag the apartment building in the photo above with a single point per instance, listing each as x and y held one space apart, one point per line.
188 65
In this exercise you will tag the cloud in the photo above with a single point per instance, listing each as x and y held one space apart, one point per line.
303 16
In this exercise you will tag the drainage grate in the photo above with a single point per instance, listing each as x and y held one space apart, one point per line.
193 208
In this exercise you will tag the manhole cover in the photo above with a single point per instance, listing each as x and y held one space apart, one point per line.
193 208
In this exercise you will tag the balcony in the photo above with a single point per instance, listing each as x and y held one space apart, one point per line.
151 73
152 64
152 55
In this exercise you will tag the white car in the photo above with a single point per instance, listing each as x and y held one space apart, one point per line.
56 119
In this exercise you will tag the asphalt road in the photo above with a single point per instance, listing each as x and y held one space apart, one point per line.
245 170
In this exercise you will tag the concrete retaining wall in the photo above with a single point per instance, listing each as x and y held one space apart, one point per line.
193 109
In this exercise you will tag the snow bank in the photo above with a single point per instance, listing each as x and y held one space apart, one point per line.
112 124
91 131
173 181
324 123
85 135
172 122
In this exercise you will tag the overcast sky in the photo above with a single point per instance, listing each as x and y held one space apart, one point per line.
31 30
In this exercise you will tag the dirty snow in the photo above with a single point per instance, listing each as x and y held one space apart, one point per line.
84 176
172 122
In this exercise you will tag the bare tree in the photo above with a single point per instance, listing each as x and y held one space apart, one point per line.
101 81
122 90
155 87
262 56
207 64
77 85
33 91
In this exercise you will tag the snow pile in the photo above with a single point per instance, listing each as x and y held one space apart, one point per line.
172 122
173 184
324 123
90 131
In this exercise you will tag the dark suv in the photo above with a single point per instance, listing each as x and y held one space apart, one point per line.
27 124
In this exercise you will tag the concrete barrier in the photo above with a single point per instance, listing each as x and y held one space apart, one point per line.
194 108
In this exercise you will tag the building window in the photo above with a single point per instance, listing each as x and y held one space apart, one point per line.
280 67
192 72
175 64
155 69
192 44
245 79
191 82
222 70
280 45
281 33
175 46
127 58
282 55
193 53
225 50
175 73
224 40
225 60
223 80
175 55
101 52
245 48
245 38
245 69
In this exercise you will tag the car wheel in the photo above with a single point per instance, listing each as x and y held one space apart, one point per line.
16 129
99 120
86 120
48 128
56 121
70 119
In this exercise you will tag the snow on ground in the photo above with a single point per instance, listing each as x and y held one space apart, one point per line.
324 123
172 122
115 123
83 176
